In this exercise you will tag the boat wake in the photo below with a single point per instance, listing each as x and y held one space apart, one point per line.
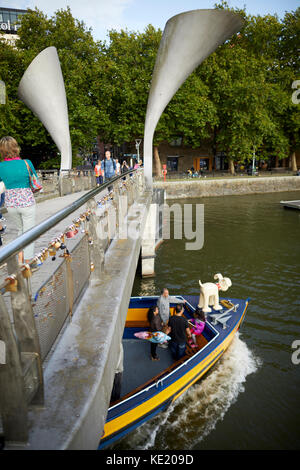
195 414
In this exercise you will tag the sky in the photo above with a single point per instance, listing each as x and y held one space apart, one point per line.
135 15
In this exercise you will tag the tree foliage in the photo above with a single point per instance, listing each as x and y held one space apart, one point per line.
78 55
238 100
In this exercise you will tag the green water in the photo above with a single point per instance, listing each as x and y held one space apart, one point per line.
250 399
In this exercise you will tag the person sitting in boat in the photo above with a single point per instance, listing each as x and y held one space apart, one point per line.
179 328
155 325
198 326
163 304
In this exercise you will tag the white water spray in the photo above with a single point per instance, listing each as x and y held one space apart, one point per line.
195 414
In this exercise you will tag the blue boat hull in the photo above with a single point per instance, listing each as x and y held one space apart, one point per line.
146 402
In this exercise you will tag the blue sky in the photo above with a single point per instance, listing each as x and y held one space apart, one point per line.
135 15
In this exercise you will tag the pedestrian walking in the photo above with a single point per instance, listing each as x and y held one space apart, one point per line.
108 166
19 198
98 173
118 167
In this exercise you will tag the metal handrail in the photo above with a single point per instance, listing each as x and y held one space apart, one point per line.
32 234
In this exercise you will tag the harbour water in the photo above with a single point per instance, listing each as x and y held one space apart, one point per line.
250 399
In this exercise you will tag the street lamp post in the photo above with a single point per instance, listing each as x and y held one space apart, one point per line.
253 163
137 146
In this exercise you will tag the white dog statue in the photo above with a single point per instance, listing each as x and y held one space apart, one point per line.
209 293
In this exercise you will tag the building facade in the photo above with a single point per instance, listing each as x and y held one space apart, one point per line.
8 23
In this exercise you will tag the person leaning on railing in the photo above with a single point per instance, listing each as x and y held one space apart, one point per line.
19 199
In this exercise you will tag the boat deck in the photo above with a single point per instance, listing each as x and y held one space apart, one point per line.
150 386
137 352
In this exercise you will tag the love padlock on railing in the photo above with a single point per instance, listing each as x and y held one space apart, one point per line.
52 250
12 284
57 244
26 271
72 232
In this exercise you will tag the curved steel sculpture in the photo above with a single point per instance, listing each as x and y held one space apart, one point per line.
187 40
42 89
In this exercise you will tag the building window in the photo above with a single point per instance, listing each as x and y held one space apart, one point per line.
172 163
9 18
177 142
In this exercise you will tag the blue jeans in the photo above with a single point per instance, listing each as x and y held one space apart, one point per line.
177 350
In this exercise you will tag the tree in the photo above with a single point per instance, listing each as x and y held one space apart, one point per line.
288 73
129 63
238 100
242 87
79 56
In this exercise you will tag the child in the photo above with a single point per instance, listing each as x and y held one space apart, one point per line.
198 326
99 173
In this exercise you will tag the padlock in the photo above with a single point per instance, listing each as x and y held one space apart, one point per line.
39 259
52 250
57 244
12 284
26 271
92 267
70 233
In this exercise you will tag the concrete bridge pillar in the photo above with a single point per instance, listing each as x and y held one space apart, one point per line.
148 243
152 236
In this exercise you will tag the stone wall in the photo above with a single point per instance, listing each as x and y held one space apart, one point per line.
226 187
74 182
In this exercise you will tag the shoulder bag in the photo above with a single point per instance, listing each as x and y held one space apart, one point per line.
33 181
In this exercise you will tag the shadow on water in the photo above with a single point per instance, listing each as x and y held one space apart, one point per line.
254 241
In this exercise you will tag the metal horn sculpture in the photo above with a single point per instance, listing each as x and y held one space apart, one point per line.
42 89
187 40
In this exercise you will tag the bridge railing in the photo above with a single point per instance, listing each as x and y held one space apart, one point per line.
37 300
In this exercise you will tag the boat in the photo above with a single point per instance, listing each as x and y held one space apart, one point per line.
149 387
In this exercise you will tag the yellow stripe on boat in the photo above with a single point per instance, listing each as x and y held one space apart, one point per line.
139 411
182 384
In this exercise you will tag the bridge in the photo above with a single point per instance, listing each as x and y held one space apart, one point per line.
62 317
61 327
